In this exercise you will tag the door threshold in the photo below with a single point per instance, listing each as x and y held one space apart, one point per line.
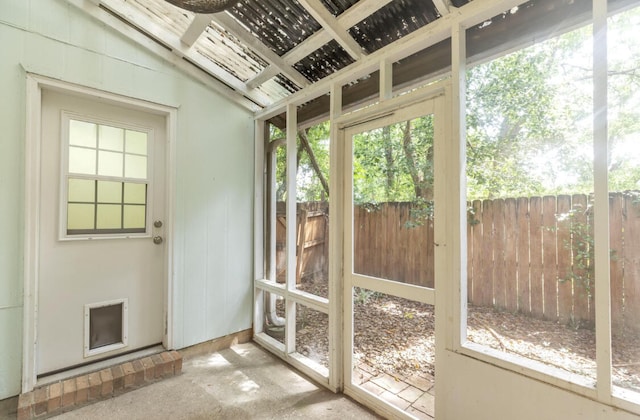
99 365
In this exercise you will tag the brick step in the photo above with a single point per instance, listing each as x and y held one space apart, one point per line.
61 396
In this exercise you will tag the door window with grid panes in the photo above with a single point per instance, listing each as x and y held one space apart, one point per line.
106 179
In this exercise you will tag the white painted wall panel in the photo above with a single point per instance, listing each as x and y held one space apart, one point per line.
491 393
214 168
11 115
10 351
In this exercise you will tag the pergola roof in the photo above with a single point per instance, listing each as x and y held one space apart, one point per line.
267 50
260 52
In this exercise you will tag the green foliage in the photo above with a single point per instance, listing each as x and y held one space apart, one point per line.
394 163
308 185
521 134
581 244
308 182
363 296
529 130
421 211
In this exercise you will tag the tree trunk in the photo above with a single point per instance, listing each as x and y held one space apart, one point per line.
388 155
420 185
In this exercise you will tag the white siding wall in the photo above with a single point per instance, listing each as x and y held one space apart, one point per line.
471 389
214 173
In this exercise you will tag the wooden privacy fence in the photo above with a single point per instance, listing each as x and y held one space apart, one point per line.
384 246
312 240
530 255
535 256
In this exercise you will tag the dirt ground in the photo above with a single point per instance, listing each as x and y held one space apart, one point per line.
396 336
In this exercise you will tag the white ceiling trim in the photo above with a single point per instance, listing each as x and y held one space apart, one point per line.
93 10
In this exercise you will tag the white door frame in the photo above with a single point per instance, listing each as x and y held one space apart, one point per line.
384 112
34 86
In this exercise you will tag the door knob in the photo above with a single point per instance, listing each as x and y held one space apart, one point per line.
157 240
157 223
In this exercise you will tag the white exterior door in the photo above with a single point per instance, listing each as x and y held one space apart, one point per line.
102 269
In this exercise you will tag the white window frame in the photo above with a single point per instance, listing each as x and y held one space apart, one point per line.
64 176
602 391
452 296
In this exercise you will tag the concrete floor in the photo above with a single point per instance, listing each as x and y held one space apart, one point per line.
243 382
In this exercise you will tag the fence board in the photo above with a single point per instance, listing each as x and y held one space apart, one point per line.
375 241
385 247
616 275
470 230
510 254
590 234
632 263
524 288
535 252
549 269
565 292
485 282
581 279
477 249
429 268
389 220
499 284
359 239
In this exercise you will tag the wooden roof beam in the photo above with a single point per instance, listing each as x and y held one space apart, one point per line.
195 29
236 29
333 27
442 6
94 10
350 17
356 13
155 31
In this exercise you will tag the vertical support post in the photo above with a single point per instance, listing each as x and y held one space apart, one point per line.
386 80
273 213
601 202
450 221
258 225
458 183
290 311
336 244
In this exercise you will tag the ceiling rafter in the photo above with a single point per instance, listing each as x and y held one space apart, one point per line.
350 17
355 14
93 9
237 30
128 13
195 29
333 27
276 64
244 48
403 47
443 6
